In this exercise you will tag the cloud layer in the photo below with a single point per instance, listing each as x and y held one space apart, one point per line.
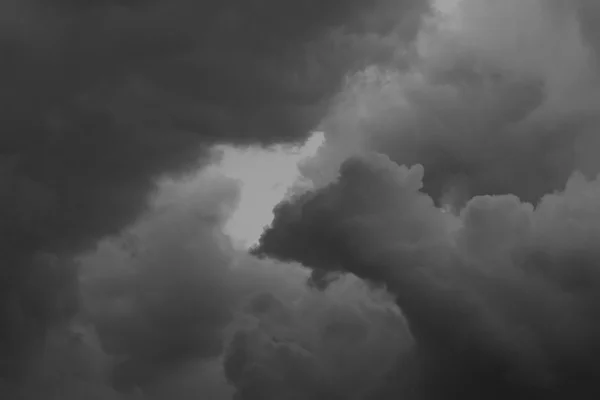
450 232
99 99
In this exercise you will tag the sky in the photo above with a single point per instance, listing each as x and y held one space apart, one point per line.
266 176
284 199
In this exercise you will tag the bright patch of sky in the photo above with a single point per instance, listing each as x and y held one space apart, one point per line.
265 176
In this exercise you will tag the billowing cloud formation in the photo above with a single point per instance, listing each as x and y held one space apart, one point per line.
338 344
499 289
501 97
170 310
502 299
154 303
99 99
499 102
161 294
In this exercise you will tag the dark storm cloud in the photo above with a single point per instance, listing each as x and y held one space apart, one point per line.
161 294
337 344
99 99
503 99
155 301
170 310
501 299
499 290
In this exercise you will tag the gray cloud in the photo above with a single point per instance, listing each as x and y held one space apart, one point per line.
479 211
169 309
338 344
500 298
498 293
161 294
502 101
100 99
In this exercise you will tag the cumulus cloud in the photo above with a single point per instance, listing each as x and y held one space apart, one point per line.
159 295
101 99
338 344
499 97
467 185
169 309
500 298
450 230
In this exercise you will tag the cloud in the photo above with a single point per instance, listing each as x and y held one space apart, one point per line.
169 308
337 344
160 294
500 298
477 210
447 179
101 99
498 98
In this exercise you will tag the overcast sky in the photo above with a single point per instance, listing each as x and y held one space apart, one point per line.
308 200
